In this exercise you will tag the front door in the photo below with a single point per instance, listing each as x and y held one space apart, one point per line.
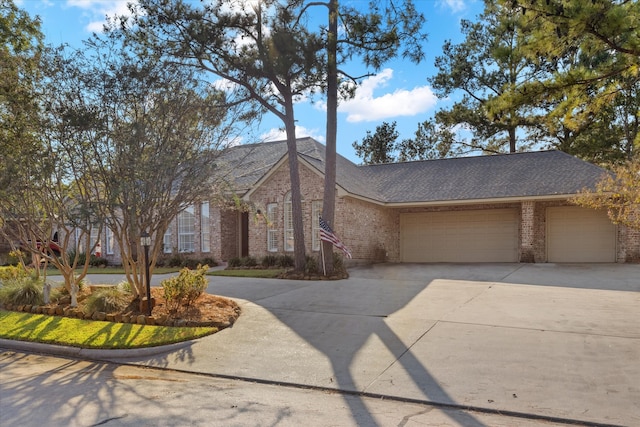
244 234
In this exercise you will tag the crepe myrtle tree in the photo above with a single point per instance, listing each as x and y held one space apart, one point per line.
39 195
144 134
48 213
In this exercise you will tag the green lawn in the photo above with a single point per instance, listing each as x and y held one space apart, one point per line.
253 273
115 270
92 334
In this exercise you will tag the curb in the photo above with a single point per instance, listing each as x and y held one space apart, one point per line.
90 353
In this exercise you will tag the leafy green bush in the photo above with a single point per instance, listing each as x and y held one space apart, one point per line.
176 261
249 261
210 261
182 290
191 263
22 291
338 263
16 257
234 262
269 261
285 261
110 299
82 257
12 272
311 265
96 261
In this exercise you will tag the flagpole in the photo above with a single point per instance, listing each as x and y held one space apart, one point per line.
324 268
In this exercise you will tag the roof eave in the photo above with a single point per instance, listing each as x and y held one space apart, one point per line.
428 203
493 200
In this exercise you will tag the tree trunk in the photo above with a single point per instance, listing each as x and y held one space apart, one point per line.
296 197
328 205
512 139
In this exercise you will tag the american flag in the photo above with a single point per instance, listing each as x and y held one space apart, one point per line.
327 234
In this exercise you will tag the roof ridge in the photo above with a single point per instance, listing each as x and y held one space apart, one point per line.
468 157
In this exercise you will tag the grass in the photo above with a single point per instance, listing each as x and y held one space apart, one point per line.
92 334
115 270
251 273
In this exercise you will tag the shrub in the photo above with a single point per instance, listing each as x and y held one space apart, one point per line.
16 257
338 263
22 291
12 272
209 261
249 261
235 262
82 257
185 288
269 261
285 261
191 263
95 261
108 300
176 261
311 265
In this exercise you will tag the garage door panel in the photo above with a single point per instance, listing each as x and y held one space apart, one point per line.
464 236
577 234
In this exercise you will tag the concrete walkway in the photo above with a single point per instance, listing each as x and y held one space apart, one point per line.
559 342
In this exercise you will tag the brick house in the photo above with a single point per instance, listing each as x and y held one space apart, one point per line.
502 208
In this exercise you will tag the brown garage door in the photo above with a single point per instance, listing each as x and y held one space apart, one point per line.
576 234
487 235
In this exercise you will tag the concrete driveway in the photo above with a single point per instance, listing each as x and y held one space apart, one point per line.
554 342
541 340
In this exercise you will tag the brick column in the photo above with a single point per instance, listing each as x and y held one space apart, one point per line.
527 231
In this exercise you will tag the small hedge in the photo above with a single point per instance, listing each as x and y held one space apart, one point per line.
182 290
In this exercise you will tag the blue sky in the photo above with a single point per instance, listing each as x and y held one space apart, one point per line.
400 92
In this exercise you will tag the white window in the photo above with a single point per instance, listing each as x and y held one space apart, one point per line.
186 230
205 228
109 241
272 231
316 212
288 223
166 240
81 240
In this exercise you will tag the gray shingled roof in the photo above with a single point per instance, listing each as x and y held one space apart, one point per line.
534 174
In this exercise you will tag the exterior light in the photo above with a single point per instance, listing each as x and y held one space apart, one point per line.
145 242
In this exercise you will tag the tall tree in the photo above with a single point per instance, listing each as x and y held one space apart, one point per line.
272 57
142 133
261 48
20 53
595 49
379 147
488 63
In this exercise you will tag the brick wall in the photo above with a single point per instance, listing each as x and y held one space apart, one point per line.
274 190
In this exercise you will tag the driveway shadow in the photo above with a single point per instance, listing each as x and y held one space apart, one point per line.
341 335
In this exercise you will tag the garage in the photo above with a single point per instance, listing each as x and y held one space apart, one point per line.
487 235
577 234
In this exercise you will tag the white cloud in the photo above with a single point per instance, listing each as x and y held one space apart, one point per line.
277 134
97 10
454 5
366 107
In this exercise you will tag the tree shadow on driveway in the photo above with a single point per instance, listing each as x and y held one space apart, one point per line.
341 335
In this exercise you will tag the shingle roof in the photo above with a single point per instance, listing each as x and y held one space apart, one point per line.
533 174
518 175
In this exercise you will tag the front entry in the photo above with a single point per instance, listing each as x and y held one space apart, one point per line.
244 234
